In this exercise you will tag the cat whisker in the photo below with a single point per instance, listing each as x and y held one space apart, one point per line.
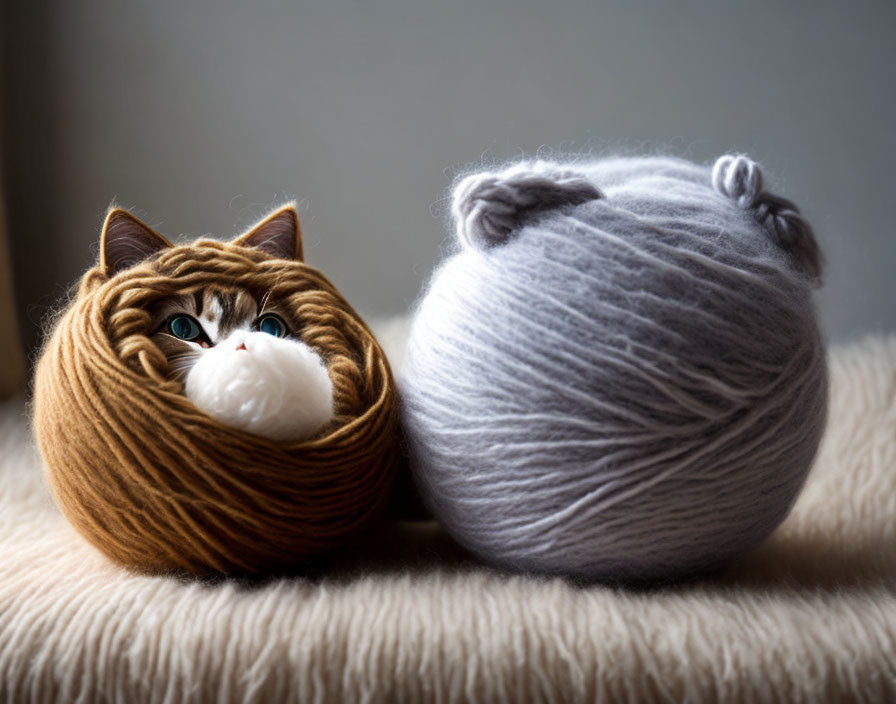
180 365
264 301
183 360
267 295
186 353
178 371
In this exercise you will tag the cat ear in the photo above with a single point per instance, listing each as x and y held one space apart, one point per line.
126 241
278 234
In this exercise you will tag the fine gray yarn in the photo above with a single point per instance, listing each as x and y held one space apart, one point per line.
740 178
488 207
618 375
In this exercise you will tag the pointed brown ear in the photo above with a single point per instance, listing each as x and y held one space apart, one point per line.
126 241
278 234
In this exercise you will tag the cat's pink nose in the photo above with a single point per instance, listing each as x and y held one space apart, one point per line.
242 346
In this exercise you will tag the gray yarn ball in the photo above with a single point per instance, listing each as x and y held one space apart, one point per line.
618 375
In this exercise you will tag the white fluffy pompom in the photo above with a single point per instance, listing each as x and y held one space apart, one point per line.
273 387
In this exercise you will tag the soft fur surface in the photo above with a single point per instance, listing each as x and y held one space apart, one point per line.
274 387
808 617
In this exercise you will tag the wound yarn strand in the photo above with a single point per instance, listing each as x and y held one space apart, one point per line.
738 177
618 374
488 207
158 485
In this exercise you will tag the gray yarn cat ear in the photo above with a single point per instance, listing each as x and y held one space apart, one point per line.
740 178
277 234
489 206
127 241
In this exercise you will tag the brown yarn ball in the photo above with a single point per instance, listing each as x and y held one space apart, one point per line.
155 483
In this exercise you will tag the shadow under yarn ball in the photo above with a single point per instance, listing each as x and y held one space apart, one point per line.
619 374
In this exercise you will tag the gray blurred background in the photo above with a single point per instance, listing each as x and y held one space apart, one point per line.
202 115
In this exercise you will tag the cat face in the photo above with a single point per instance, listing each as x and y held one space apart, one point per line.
239 352
186 327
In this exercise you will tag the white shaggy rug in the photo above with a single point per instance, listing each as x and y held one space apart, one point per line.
809 617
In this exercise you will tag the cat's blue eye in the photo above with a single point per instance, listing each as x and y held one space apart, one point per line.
272 325
184 327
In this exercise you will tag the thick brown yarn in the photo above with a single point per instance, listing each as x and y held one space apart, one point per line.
156 484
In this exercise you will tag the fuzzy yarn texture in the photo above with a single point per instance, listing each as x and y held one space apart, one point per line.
158 485
807 618
618 374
